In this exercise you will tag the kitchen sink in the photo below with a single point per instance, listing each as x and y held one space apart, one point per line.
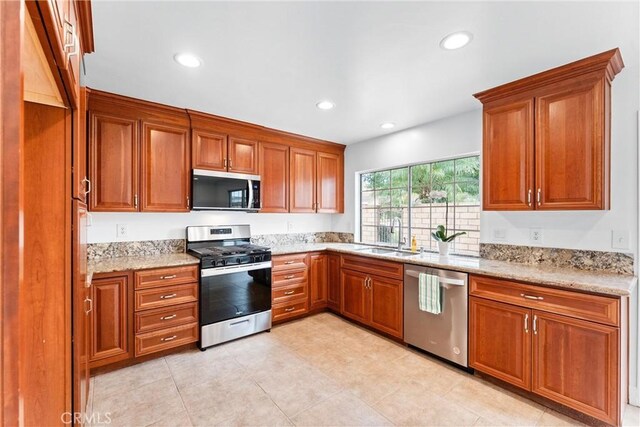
402 254
383 251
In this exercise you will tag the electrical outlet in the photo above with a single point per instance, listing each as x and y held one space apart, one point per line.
121 231
620 239
290 226
499 233
535 235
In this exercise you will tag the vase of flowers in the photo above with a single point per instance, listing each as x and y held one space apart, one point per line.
441 235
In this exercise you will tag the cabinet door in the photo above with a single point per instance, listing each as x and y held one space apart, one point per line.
110 323
575 363
500 341
243 156
274 176
82 305
302 182
209 150
507 156
113 163
333 282
80 184
353 298
386 305
329 183
164 168
318 281
572 149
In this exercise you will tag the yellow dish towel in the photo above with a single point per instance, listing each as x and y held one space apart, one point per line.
429 293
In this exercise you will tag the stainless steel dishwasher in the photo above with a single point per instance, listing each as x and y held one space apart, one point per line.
443 334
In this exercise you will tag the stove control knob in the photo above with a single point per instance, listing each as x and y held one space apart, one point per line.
257 258
239 261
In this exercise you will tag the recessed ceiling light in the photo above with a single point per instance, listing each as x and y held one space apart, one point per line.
387 125
325 105
187 60
456 40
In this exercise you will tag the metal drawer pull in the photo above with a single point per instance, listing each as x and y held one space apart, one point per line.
290 276
287 310
171 338
289 292
239 323
526 323
289 262
173 276
168 296
532 297
173 316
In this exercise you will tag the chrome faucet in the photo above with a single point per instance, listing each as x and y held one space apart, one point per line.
402 241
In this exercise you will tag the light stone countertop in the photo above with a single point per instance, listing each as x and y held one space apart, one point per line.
588 281
108 265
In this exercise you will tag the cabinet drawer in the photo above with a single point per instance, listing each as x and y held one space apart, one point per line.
289 309
288 262
596 308
163 339
376 266
165 276
288 293
151 320
288 277
163 297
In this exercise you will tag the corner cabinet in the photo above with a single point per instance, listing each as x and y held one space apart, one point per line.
139 156
546 138
563 345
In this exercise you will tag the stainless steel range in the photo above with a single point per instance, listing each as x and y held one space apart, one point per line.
235 283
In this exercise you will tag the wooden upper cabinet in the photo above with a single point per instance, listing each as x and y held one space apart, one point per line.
499 341
165 168
572 148
114 160
80 185
243 155
302 181
575 363
546 138
329 183
508 156
209 150
274 175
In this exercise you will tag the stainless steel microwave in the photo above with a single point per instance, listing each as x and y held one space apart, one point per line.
212 190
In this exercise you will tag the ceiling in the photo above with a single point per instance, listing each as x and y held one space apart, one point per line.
271 62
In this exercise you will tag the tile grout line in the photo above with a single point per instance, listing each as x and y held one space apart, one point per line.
179 393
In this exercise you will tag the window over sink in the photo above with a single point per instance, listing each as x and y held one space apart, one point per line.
418 195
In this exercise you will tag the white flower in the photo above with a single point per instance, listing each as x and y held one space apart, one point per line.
438 194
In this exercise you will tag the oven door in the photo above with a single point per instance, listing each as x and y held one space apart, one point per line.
236 291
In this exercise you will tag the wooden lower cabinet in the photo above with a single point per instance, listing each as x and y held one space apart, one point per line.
318 278
333 282
499 340
354 296
290 286
560 356
111 319
575 363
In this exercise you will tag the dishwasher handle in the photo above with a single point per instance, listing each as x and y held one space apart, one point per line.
443 280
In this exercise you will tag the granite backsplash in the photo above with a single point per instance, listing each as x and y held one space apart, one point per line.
612 262
170 246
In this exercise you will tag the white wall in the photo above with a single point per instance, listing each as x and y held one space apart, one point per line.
157 226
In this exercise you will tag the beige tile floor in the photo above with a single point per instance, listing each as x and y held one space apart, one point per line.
319 371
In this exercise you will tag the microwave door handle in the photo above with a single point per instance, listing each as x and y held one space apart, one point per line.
250 198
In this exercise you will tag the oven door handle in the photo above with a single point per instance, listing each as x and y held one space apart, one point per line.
210 272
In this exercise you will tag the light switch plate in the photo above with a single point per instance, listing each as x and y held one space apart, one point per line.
499 233
620 239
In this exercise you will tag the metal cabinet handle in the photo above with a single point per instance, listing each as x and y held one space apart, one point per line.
173 276
71 31
287 310
289 292
173 316
539 197
135 201
188 201
90 301
87 187
224 163
168 296
230 163
289 262
535 324
171 338
290 276
526 323
533 297
529 198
